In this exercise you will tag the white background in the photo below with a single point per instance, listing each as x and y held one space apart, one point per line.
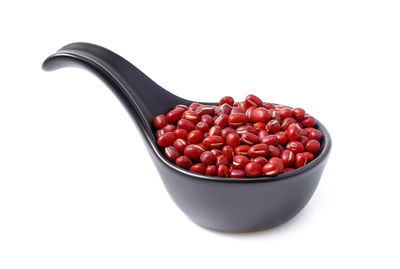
78 189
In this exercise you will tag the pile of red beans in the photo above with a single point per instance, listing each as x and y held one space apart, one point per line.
244 139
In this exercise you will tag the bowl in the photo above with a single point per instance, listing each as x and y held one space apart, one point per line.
223 204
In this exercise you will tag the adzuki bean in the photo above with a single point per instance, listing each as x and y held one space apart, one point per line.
237 140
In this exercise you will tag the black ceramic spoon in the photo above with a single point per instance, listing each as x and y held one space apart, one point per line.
225 204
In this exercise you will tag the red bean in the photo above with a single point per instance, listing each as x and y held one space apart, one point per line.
242 150
236 109
194 137
221 159
223 171
280 147
184 107
285 113
282 138
159 133
295 146
191 116
216 152
199 168
174 115
183 162
213 141
160 121
231 168
273 126
270 169
169 128
259 126
194 151
238 173
226 131
254 100
172 153
227 100
167 139
313 146
253 169
202 126
260 114
260 160
193 106
246 129
298 113
287 157
308 121
274 114
249 139
215 130
258 150
223 109
211 170
250 111
274 151
186 125
287 170
207 157
293 131
303 140
262 134
309 129
279 164
309 156
240 161
269 106
207 119
237 119
244 105
222 121
286 122
314 134
228 152
270 140
180 144
300 160
232 140
204 109
180 133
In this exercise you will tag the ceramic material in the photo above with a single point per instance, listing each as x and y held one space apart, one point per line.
230 205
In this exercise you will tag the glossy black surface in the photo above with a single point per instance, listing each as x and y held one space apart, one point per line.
230 205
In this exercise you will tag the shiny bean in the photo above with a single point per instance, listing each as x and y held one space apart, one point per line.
249 139
240 161
194 137
160 121
174 115
237 119
172 153
167 139
253 169
213 141
183 162
259 150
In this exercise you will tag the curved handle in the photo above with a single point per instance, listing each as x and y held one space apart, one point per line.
142 97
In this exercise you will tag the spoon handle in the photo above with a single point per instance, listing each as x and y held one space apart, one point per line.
142 97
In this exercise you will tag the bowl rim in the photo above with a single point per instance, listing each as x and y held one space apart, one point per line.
326 147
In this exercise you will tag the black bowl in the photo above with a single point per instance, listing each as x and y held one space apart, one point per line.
224 204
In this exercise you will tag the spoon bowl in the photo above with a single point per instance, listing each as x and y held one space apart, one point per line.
223 204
